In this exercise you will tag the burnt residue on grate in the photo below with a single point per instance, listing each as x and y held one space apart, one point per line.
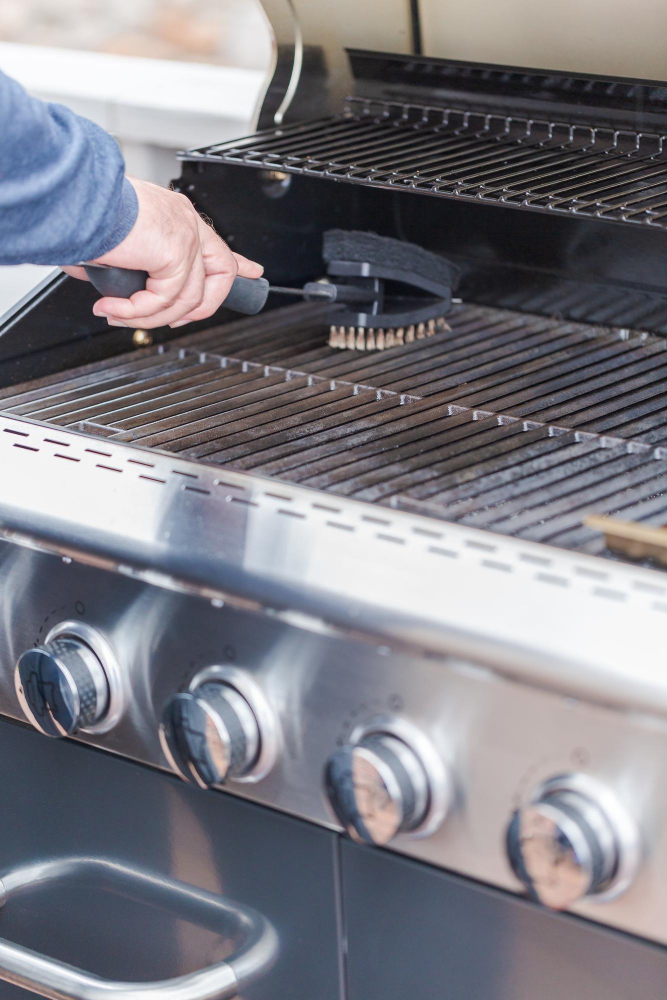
554 166
510 422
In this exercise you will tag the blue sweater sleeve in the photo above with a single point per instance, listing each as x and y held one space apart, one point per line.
64 197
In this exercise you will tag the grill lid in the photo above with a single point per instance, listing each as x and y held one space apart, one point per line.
588 44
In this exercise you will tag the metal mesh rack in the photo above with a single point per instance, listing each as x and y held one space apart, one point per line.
601 172
511 422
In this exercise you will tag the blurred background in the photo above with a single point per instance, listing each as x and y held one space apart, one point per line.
224 32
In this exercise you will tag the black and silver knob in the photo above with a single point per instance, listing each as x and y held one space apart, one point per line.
378 788
210 734
571 842
62 686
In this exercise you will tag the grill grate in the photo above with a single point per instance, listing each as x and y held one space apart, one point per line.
512 422
526 163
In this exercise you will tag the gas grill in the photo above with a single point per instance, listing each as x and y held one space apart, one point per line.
367 590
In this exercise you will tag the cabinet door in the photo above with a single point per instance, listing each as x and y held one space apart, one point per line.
416 933
60 800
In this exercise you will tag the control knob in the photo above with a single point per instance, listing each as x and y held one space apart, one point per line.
378 788
571 842
62 686
210 734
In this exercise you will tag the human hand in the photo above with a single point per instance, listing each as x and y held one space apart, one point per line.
191 270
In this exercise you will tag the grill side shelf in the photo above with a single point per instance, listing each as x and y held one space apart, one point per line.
559 167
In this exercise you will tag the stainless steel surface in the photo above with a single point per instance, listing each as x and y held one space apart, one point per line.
378 788
244 512
210 734
587 37
50 978
338 564
61 687
498 733
311 72
65 802
328 614
574 840
475 942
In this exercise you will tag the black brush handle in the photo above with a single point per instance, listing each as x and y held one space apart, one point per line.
247 295
116 282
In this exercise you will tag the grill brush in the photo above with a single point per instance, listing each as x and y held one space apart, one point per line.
392 292
408 290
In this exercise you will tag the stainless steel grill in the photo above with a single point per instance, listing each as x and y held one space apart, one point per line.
577 169
515 423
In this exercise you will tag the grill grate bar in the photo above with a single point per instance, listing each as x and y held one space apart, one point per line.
546 492
89 400
461 494
380 474
296 413
601 499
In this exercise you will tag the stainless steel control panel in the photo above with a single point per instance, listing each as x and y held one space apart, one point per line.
429 756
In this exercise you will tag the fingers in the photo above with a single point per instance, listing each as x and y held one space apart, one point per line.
248 268
222 266
160 304
164 300
216 290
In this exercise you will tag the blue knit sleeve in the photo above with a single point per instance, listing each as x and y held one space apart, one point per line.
64 197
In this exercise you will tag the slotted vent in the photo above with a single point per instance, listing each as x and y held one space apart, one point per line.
525 163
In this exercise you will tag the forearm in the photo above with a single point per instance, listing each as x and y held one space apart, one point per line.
63 194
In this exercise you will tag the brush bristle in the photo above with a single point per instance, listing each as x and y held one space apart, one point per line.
384 251
360 339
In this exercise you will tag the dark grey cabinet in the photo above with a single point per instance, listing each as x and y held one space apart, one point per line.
61 799
415 933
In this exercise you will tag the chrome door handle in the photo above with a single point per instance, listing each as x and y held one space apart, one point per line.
50 978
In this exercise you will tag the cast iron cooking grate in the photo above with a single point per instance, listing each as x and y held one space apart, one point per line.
526 163
511 422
